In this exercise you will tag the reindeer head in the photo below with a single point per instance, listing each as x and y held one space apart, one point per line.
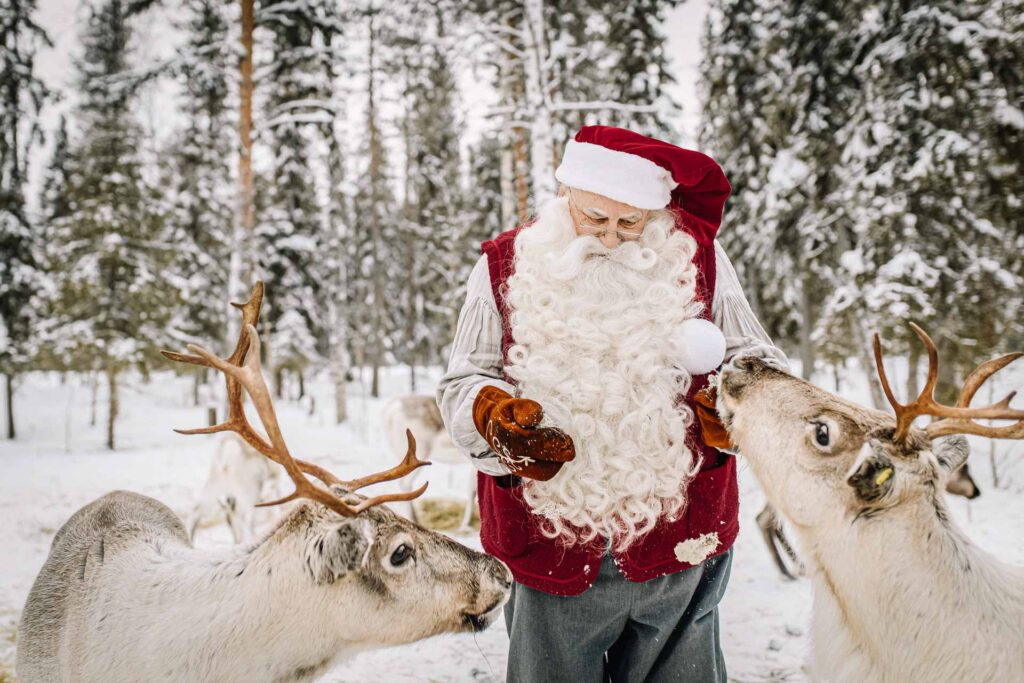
410 582
820 457
401 581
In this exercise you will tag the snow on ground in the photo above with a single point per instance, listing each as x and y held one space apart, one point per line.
59 463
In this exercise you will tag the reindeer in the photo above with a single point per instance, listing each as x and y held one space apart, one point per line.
422 417
239 477
901 594
123 595
960 483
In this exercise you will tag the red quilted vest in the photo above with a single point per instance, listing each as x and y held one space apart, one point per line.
511 532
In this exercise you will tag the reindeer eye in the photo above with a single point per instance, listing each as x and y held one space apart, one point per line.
821 434
401 555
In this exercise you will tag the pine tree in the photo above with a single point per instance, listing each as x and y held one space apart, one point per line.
612 54
114 305
863 140
778 76
290 232
929 180
432 203
54 202
563 65
374 249
22 94
199 173
337 235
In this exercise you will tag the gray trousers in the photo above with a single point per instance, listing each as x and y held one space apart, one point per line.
663 630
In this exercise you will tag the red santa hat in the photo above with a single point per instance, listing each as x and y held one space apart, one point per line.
648 174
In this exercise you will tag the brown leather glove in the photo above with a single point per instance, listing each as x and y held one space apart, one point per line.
714 433
509 425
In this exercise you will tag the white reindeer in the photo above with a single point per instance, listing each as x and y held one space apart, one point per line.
781 551
239 477
901 594
123 596
420 415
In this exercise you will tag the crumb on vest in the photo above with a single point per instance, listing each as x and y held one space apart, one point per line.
696 550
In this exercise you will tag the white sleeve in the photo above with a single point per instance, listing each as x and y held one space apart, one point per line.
731 312
475 362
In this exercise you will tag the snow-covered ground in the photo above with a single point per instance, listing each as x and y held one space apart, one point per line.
59 464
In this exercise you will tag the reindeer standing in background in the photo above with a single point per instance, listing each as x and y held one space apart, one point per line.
123 596
240 477
420 415
901 594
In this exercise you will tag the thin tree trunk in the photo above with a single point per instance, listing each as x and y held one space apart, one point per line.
376 172
197 381
518 163
11 433
302 385
806 329
94 390
340 398
412 376
993 459
245 88
947 389
278 382
112 405
536 86
509 214
868 363
522 183
912 362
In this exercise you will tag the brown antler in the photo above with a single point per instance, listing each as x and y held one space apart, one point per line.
958 419
242 371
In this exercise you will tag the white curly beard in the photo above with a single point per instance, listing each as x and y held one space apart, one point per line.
593 330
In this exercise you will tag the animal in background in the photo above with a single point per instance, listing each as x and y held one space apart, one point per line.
239 478
420 415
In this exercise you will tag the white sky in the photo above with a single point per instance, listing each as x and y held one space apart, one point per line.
63 18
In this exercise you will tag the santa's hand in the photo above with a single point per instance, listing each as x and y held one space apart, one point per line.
711 426
509 425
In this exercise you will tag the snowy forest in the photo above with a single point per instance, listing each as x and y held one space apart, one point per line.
157 157
874 149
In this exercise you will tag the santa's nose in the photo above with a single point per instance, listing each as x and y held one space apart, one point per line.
610 240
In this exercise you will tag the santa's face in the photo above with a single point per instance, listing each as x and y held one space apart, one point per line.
594 328
612 222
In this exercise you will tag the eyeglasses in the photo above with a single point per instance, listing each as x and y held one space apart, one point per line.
590 228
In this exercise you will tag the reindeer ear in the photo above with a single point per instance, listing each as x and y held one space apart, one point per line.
951 452
338 550
872 474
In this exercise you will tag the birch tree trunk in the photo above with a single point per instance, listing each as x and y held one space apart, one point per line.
239 266
538 102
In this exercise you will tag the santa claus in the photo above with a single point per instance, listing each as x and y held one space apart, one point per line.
573 386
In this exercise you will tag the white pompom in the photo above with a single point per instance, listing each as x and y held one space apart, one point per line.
701 346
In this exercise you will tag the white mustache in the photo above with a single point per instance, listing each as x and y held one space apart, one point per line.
568 264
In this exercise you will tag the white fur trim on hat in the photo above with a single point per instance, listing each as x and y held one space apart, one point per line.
624 177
